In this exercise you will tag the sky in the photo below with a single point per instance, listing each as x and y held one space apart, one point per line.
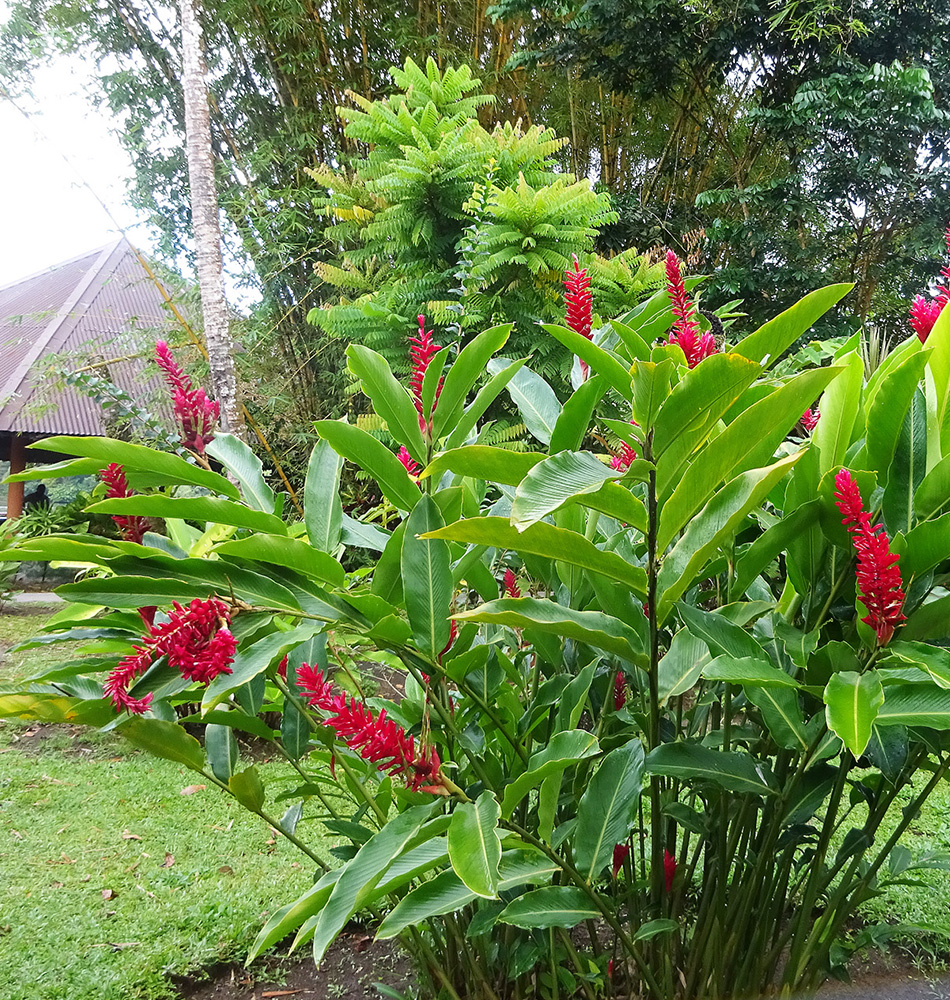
46 213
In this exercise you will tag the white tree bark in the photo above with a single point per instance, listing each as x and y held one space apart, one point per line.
204 216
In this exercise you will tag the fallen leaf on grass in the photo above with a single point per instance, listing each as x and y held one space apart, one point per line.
225 870
108 894
130 836
191 789
169 860
117 945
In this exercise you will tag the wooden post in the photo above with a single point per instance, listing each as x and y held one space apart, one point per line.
17 464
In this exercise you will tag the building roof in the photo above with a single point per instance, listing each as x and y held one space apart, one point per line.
91 307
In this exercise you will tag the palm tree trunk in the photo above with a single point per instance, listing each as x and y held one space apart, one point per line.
204 216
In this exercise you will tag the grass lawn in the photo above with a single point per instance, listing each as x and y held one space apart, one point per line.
110 878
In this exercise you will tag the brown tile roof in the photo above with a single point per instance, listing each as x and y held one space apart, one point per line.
91 306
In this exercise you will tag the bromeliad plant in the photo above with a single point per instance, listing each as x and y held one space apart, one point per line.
659 699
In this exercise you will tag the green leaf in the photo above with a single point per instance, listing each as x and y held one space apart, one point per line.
222 750
132 591
574 698
767 344
925 547
426 578
915 705
651 383
555 482
361 875
292 553
564 749
210 509
373 457
600 361
719 634
637 347
171 468
747 671
681 666
907 469
608 808
938 340
253 660
535 399
544 539
485 397
885 416
839 407
165 739
246 468
730 769
464 373
248 789
653 928
749 441
323 510
714 526
474 848
552 906
571 427
481 461
852 703
390 399
770 543
55 470
782 715
291 916
591 627
933 495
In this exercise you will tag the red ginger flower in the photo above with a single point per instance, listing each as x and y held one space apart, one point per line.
197 642
409 464
422 351
620 855
879 578
197 415
622 461
669 870
511 584
620 690
453 635
924 313
809 419
375 738
133 527
577 298
695 345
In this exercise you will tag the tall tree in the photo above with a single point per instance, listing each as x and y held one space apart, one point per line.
204 215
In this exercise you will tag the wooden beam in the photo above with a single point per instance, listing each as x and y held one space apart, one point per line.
17 464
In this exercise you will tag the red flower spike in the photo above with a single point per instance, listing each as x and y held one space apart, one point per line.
453 635
620 856
133 528
197 415
408 463
196 641
669 871
376 739
622 461
579 304
511 584
620 690
695 345
421 353
924 313
878 576
282 669
810 419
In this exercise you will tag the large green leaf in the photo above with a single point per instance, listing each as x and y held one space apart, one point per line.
193 509
770 543
551 906
839 407
564 749
138 457
651 383
925 547
535 399
291 916
55 470
222 750
906 472
323 510
373 457
557 481
426 578
361 875
730 769
481 461
164 739
693 408
714 526
681 666
246 468
604 363
767 344
719 634
546 540
474 848
782 715
483 399
885 417
749 441
57 708
608 809
747 671
592 627
915 705
852 703
246 786
463 374
279 550
132 591
574 421
390 399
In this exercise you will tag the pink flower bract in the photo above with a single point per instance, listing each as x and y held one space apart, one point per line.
133 527
810 419
924 313
695 345
421 353
878 576
197 415
669 871
620 856
511 584
620 690
579 304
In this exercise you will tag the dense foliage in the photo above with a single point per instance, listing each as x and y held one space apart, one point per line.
656 702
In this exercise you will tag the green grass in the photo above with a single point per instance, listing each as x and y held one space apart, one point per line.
83 817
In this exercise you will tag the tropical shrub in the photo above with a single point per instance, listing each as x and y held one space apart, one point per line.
659 700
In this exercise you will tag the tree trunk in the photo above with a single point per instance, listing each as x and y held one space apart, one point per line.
204 216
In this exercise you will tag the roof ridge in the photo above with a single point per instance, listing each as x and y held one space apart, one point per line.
95 252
